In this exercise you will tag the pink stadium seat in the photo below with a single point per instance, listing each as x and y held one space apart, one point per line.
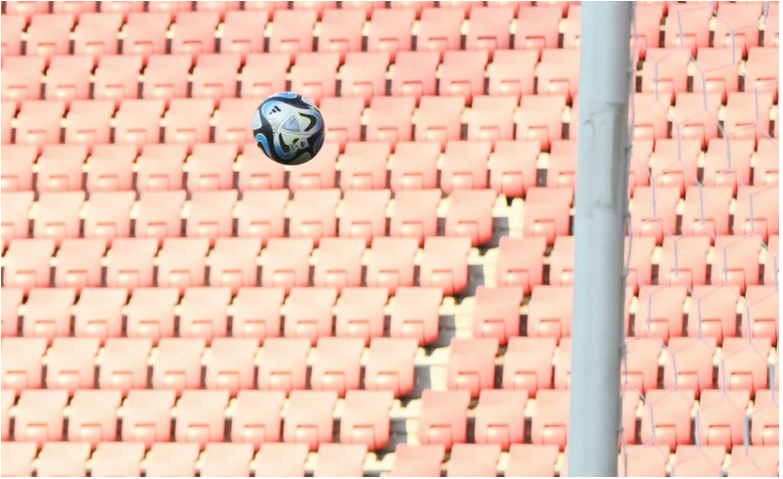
688 364
470 214
713 312
736 261
537 27
221 8
364 75
760 73
293 32
264 74
68 79
318 7
756 212
364 214
561 262
659 312
211 214
489 28
528 364
281 460
79 263
230 364
496 313
532 460
47 313
200 417
222 460
390 365
694 461
63 458
464 166
160 168
309 418
341 32
688 26
260 214
256 417
415 314
546 124
492 119
194 34
736 26
550 425
765 419
472 364
525 270
766 170
572 39
315 75
666 418
640 367
365 420
340 460
159 215
22 364
513 167
150 313
675 163
22 78
683 261
360 313
187 121
642 460
443 417
390 264
203 313
414 74
439 29
178 364
283 364
27 264
257 312
78 8
60 169
71 364
240 32
39 416
639 174
339 263
512 72
761 317
93 416
344 117
439 119
309 313
500 417
130 263
415 166
547 213
650 117
16 215
717 71
462 74
138 122
38 123
270 6
171 7
181 263
123 8
474 460
548 314
744 364
749 461
8 112
233 263
696 117
12 26
558 73
706 211
336 365
175 459
747 115
391 29
312 214
285 263
117 459
390 119
49 35
18 457
653 211
561 167
124 364
664 72
145 34
98 313
418 461
365 6
722 417
11 301
444 264
166 77
17 171
256 172
318 173
88 122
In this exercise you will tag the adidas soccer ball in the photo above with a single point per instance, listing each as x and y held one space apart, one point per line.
288 128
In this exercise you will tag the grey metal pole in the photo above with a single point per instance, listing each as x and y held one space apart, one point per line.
601 208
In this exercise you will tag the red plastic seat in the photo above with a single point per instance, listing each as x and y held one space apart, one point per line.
187 121
561 261
160 168
172 459
766 170
138 122
695 117
550 425
230 364
240 32
511 73
717 71
97 34
415 166
737 26
339 263
171 7
761 317
178 364
537 28
98 313
11 301
476 460
309 313
257 312
744 364
256 417
264 74
462 74
145 34
314 75
415 314
721 417
226 460
68 79
489 28
492 119
60 169
464 166
443 417
221 8
344 117
285 263
256 172
365 420
695 461
747 461
513 167
532 460
194 34
38 123
747 115
418 461
470 214
389 365
439 29
558 73
364 75
49 35
706 211
472 364
130 263
233 263
642 461
561 167
364 214
22 78
515 269
341 31
293 32
659 312
318 173
640 366
439 119
414 74
181 263
17 170
340 460
390 119
444 264
123 364
283 364
8 112
688 26
759 71
39 416
765 419
16 210
79 263
308 418
200 417
281 460
653 211
47 313
675 163
27 263
390 264
666 417
713 312
203 313
360 313
650 117
664 72
71 364
547 213
756 212
13 24
88 122
150 313
93 416
18 457
736 261
336 365
211 214
391 29
683 261
166 77
539 118
528 364
22 364
63 458
496 313
270 6
117 459
771 266
550 312
688 364
261 214
117 78
500 417
312 214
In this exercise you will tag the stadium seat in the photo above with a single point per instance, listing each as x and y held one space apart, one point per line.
22 364
414 166
344 117
93 416
166 77
263 74
256 417
743 364
717 71
747 115
79 264
200 417
18 457
123 364
47 313
38 123
60 169
706 211
68 79
391 29
675 162
130 263
71 364
537 27
117 459
415 314
464 166
8 112
17 170
688 364
365 420
150 313
172 459
496 313
439 119
49 35
550 425
766 169
177 364
97 34
211 213
203 313
240 32
68 459
489 28
760 74
27 264
160 168
713 312
11 301
761 317
364 74
474 460
414 74
194 34
547 213
117 78
736 261
281 460
563 365
233 263
390 264
683 261
283 364
688 26
756 212
363 214
653 211
285 263
418 461
359 313
561 165
12 26
470 214
88 122
159 215
548 314
693 461
339 263
16 215
171 7
513 167
492 119
525 270
308 313
39 416
462 74
98 313
22 78
341 31
500 417
749 461
650 118
137 122
664 72
443 417
389 365
771 266
336 365
314 75
221 8
293 32
558 73
187 122
260 214
226 460
444 264
528 364
666 417
561 261
340 460
145 34
721 417
736 26
308 418
317 174
642 460
511 73
659 312
532 460
695 117
181 263
540 118
640 366
230 364
439 30
312 214
472 364
256 312
765 419
256 172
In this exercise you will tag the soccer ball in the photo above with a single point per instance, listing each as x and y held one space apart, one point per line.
288 128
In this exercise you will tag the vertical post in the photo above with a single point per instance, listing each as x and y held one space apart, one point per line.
599 227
